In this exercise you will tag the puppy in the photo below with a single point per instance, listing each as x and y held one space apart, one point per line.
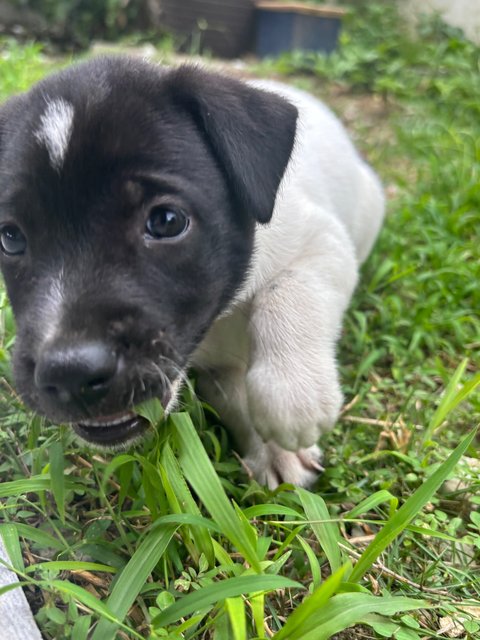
154 218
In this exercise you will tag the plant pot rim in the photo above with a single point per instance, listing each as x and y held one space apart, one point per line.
323 11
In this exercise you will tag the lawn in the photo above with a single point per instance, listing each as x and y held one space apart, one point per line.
172 540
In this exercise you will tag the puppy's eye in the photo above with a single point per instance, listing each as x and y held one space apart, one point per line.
12 240
164 222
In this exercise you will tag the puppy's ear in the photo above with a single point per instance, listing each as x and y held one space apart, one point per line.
251 133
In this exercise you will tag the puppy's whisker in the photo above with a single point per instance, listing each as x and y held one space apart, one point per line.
132 394
221 389
231 355
181 373
162 375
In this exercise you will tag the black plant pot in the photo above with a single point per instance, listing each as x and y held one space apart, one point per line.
289 26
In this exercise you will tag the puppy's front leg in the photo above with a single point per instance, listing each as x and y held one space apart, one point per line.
292 382
225 389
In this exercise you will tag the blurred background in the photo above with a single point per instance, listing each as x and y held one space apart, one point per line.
227 28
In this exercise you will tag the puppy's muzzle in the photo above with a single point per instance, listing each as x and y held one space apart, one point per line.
82 377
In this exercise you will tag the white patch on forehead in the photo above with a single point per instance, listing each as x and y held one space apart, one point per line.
55 130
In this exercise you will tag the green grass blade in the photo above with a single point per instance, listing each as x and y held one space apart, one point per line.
259 510
222 556
221 628
383 453
451 398
200 473
181 500
83 596
327 533
344 610
90 601
313 561
133 578
81 628
385 628
9 535
57 477
463 393
152 410
300 620
236 612
251 533
186 519
35 484
432 533
43 538
218 592
257 605
71 565
12 586
379 497
116 463
188 624
396 524
152 485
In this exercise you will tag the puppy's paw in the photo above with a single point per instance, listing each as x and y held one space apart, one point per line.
271 465
292 411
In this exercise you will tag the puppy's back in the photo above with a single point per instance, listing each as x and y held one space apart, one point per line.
327 171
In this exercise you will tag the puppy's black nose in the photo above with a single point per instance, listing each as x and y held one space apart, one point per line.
82 371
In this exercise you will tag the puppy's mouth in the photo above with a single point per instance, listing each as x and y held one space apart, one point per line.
113 430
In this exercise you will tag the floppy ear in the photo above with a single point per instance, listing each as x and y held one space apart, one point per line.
251 133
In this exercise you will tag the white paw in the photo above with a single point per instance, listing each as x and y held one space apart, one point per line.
292 412
271 465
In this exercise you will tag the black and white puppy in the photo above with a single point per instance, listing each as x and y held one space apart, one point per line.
155 218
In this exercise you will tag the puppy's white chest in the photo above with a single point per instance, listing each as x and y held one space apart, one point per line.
227 342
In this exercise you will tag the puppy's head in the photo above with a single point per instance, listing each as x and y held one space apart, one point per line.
129 196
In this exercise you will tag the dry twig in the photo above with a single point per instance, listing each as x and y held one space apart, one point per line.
396 576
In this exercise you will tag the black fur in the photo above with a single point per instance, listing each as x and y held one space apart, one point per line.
199 142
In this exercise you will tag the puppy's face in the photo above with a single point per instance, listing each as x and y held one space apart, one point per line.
128 200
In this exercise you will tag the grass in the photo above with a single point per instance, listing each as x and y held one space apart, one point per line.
172 541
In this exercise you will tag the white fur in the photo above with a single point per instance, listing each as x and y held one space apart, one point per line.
52 308
270 360
55 130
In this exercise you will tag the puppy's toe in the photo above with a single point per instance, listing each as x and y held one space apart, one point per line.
300 468
271 465
311 458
